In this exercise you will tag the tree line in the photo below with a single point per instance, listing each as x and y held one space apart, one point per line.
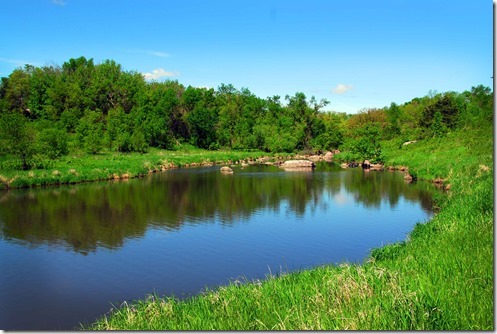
47 111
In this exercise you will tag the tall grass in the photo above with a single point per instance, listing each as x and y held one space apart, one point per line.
440 278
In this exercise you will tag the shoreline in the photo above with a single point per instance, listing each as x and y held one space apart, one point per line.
54 177
63 173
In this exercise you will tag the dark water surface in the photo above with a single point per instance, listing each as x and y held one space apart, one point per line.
68 253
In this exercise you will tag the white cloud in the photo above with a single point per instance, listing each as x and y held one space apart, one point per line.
59 2
158 73
342 88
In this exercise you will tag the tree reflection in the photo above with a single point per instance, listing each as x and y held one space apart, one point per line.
88 216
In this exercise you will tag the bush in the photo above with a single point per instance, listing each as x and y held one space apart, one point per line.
53 143
138 141
123 142
92 143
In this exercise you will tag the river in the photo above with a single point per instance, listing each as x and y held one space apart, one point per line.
71 253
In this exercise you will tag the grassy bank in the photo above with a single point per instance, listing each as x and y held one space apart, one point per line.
440 278
80 167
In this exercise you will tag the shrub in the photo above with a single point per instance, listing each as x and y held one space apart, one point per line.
53 143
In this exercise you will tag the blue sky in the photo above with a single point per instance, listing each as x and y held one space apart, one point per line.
355 53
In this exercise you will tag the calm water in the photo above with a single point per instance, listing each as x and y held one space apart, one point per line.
69 253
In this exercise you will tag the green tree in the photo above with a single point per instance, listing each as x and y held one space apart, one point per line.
332 137
305 117
17 90
202 122
18 137
446 106
275 130
41 80
394 115
251 108
118 132
437 126
90 131
227 101
153 113
77 90
366 144
69 119
478 107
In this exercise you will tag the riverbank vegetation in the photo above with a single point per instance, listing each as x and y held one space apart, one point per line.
84 121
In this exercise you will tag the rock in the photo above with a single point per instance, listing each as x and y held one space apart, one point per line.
376 167
298 164
315 158
344 165
226 170
408 177
409 142
328 156
299 169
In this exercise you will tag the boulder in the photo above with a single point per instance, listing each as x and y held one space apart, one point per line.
298 164
408 177
376 167
299 169
226 170
328 156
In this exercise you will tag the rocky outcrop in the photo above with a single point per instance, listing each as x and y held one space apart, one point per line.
289 164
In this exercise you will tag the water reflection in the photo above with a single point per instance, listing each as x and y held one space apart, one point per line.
87 216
